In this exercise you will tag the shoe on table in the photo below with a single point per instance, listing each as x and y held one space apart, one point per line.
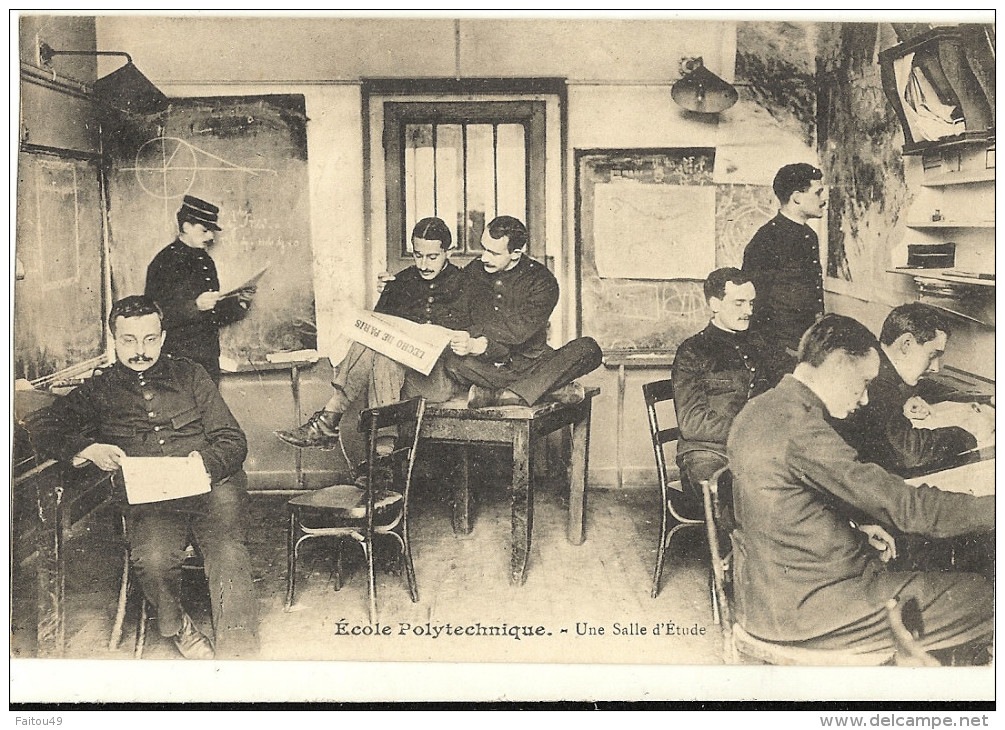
481 397
191 642
320 431
569 395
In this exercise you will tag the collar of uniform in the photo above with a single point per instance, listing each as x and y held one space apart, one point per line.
717 333
888 374
798 390
784 221
182 249
160 371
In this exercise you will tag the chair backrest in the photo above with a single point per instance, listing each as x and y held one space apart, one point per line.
660 391
719 524
406 416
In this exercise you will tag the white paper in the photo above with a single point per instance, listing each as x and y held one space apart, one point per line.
977 479
160 478
414 345
964 415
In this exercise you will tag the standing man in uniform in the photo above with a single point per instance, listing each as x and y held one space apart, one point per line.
783 260
714 374
152 404
182 279
505 357
430 291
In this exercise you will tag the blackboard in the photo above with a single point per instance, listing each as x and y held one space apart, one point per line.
248 155
58 304
648 315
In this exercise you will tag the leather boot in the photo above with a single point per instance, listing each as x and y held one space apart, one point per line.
320 431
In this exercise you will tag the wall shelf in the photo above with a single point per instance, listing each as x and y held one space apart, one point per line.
951 224
942 276
959 178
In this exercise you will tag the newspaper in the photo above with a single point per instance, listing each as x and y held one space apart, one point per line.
160 478
414 345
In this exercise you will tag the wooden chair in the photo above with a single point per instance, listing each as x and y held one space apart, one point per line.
717 497
673 519
368 508
127 586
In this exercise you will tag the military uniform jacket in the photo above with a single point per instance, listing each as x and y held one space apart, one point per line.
175 278
511 309
171 409
438 301
714 374
882 434
801 570
783 259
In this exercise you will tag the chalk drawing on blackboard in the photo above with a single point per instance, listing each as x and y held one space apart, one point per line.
648 231
167 167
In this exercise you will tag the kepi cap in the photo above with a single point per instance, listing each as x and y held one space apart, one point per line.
199 211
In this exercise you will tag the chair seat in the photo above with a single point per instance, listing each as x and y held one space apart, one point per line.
789 655
346 500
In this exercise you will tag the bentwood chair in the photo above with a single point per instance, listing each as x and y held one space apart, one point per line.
127 586
904 615
675 515
377 504
738 645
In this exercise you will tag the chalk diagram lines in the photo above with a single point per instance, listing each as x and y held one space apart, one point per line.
167 167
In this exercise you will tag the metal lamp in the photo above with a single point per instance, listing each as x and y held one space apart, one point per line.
702 91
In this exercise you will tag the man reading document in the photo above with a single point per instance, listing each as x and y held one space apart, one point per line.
151 404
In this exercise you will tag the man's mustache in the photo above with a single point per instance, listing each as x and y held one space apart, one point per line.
140 358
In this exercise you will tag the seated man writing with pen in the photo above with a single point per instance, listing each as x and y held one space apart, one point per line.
152 404
432 291
897 429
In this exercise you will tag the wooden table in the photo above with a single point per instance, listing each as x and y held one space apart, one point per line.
516 426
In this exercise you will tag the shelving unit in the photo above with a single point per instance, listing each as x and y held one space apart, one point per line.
921 225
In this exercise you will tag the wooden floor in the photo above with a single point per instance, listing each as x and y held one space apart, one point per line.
573 592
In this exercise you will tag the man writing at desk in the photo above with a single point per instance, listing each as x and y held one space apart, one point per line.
152 404
714 374
912 343
431 291
505 357
803 573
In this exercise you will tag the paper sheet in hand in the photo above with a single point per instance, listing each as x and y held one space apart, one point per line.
253 281
160 478
951 413
977 479
414 345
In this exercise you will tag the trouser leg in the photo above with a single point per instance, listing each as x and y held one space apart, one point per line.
387 377
573 360
353 377
220 534
436 387
696 467
158 536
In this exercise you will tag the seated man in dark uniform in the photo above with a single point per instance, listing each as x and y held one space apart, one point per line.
912 343
803 572
152 404
714 374
430 291
505 358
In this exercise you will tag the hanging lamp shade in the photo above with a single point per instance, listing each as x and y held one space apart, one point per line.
702 91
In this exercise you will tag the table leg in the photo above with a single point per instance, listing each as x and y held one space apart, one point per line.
299 458
50 566
462 493
621 425
522 499
580 465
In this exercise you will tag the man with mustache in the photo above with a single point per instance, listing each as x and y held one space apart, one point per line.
803 571
182 279
430 291
152 404
715 373
783 261
504 357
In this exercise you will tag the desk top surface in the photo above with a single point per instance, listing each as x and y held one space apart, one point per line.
458 409
971 473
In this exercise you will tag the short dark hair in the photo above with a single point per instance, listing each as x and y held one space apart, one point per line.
921 320
433 229
512 228
834 332
794 178
138 305
715 284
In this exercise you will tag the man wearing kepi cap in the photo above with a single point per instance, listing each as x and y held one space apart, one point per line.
182 279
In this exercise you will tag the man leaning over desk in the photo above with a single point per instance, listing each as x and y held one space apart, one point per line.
891 429
804 572
152 404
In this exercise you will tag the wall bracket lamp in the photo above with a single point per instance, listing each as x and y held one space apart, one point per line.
702 91
126 89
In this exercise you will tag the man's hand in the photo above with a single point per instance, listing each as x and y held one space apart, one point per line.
382 279
981 423
463 344
207 300
106 457
916 408
881 540
245 295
